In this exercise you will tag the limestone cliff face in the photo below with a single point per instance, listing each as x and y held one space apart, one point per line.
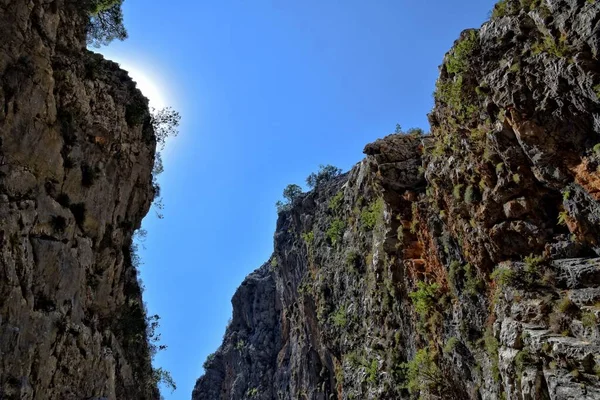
76 157
463 264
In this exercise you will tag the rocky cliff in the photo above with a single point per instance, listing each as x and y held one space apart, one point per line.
76 156
462 264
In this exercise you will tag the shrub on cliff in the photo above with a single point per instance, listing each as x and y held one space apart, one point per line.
106 22
290 193
326 173
165 123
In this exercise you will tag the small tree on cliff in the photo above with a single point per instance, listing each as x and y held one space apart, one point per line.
165 123
106 22
290 193
326 173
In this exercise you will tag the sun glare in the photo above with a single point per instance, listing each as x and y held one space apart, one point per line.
148 76
148 85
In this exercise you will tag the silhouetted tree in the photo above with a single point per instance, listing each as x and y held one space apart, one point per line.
326 173
165 123
106 22
290 193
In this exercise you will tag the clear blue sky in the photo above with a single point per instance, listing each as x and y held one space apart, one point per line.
268 90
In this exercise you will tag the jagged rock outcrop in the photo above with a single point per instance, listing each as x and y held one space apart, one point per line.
252 341
76 156
462 264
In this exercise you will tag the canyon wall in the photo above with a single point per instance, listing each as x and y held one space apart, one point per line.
460 264
76 156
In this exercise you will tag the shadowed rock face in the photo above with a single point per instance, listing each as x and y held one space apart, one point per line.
252 341
76 155
459 265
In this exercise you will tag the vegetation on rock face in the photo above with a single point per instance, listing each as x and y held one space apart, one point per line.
325 173
293 191
372 214
139 329
423 374
164 123
510 7
340 318
290 193
454 91
209 359
335 231
411 278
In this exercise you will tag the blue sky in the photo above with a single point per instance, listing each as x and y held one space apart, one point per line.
267 90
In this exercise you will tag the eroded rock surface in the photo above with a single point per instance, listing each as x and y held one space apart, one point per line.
458 265
76 157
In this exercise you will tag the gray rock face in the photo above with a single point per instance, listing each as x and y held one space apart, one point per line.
460 264
76 157
245 364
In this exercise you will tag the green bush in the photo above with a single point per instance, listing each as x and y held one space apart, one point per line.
563 217
325 174
529 5
372 371
454 270
458 60
308 238
425 297
491 347
470 194
501 9
558 48
503 276
451 345
532 263
335 204
422 373
523 357
589 320
336 230
98 6
566 306
290 194
499 168
339 317
457 191
371 215
473 284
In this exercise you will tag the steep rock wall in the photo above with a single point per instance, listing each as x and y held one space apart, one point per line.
463 264
76 157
